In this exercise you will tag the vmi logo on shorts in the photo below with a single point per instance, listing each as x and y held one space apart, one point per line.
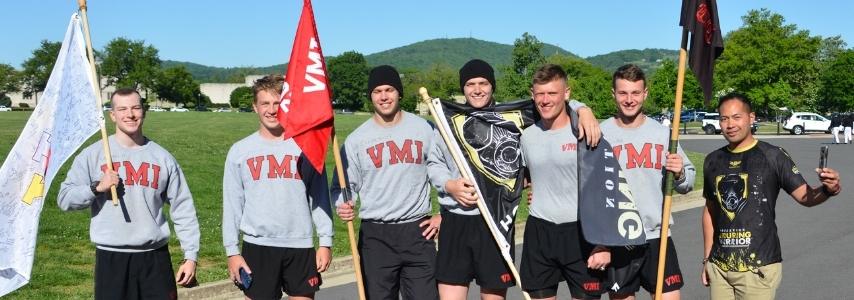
313 281
591 286
505 278
673 279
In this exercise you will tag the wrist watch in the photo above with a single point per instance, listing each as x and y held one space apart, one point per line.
94 187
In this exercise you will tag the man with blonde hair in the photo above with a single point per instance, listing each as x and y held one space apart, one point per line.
278 201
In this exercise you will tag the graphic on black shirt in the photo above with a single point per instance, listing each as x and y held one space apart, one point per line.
732 193
746 184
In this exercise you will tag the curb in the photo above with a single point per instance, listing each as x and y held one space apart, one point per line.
224 289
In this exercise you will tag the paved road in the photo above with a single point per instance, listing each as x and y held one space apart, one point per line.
817 242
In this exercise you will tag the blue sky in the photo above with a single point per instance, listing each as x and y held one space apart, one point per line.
260 33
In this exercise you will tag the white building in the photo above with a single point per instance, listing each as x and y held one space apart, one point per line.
219 93
106 93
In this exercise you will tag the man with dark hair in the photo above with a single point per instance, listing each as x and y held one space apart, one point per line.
742 257
640 145
389 162
555 249
467 250
278 201
132 258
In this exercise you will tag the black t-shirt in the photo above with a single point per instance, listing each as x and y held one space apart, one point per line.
836 121
745 184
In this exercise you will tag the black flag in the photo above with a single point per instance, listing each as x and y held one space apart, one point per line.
606 208
700 17
488 140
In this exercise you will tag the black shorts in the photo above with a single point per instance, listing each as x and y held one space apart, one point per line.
397 261
556 252
134 275
467 251
648 273
276 270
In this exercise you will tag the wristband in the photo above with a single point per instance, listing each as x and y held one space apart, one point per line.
827 192
705 260
94 188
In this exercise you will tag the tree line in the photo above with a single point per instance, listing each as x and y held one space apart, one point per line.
121 63
774 63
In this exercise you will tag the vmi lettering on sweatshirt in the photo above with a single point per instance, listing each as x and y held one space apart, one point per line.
137 175
288 167
397 154
642 158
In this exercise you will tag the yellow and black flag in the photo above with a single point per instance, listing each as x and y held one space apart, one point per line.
700 17
489 141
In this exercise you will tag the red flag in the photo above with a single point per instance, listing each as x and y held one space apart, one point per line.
306 108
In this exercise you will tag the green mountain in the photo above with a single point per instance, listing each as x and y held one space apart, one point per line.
648 59
204 73
422 55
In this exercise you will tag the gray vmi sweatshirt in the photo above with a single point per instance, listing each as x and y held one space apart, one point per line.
274 196
448 202
552 160
149 177
389 168
641 152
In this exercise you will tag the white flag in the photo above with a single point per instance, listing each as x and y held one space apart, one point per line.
62 121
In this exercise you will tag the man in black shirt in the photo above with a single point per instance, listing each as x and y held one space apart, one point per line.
742 257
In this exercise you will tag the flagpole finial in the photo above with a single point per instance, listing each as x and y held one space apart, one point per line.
423 92
82 4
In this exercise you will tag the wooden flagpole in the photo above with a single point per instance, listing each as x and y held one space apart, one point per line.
96 88
668 181
351 231
480 205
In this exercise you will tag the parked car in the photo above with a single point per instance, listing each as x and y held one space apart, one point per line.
4 108
345 112
691 115
223 109
712 124
156 108
107 108
245 109
180 109
202 108
801 122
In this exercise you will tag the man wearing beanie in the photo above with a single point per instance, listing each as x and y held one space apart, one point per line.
387 163
468 250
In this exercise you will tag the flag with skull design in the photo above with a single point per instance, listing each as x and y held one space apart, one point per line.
488 140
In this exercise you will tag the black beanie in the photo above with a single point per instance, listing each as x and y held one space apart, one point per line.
477 68
384 74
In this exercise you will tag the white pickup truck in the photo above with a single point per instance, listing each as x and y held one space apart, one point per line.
4 108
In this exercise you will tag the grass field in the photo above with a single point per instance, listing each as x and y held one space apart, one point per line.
64 259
